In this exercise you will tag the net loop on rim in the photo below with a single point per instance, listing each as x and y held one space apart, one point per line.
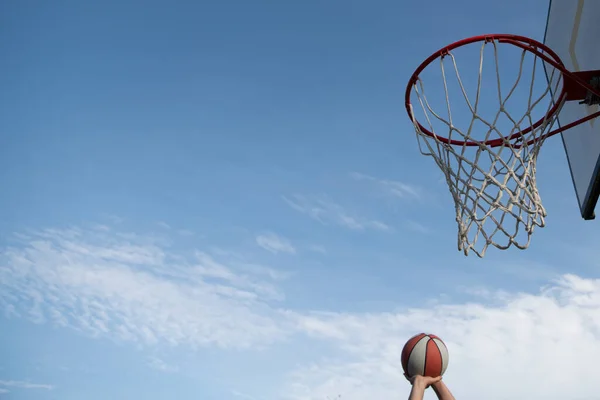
488 151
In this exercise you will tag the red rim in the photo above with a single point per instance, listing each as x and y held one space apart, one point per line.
523 42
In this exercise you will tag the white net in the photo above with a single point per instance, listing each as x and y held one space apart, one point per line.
493 184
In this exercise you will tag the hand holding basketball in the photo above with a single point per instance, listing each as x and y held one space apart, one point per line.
423 381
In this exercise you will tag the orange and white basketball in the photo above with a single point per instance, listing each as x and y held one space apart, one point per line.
424 354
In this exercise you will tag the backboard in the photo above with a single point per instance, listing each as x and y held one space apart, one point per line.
573 32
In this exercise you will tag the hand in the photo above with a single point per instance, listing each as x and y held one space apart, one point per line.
424 381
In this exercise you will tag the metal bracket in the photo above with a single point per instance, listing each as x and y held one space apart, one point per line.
591 98
577 91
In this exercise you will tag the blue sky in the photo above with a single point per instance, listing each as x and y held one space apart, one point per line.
225 200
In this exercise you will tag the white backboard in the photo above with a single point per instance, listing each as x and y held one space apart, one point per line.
573 32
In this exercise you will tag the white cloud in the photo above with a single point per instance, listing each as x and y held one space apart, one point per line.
317 249
242 395
502 350
327 212
113 219
417 227
100 227
4 384
390 187
161 365
540 345
275 243
136 291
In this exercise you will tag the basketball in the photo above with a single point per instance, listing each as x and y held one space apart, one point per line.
424 354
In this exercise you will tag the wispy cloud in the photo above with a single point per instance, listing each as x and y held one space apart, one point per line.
161 365
241 395
326 211
417 227
85 280
390 187
5 384
133 290
317 249
113 219
275 243
163 225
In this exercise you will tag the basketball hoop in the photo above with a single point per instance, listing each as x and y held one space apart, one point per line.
489 163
